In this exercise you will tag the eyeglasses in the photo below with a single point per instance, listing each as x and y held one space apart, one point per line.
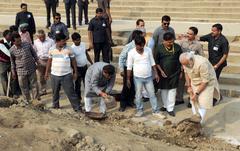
166 24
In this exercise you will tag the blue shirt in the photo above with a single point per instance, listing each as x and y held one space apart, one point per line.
124 54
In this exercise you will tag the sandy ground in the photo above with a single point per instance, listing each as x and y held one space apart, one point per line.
38 128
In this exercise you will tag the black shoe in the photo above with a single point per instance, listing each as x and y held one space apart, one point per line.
86 23
41 93
121 109
214 101
145 99
163 109
132 105
79 110
68 26
189 105
113 45
55 107
74 28
171 113
179 102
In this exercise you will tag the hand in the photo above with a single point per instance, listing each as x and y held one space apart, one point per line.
128 84
110 20
215 67
104 95
122 74
90 46
38 63
14 76
181 75
75 76
157 78
163 74
46 76
193 97
180 37
190 90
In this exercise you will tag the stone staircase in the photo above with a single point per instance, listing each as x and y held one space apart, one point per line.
195 11
180 10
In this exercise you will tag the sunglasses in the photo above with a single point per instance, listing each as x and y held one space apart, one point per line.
166 24
58 18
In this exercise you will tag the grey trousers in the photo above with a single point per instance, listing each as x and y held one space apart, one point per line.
27 83
4 69
40 73
66 82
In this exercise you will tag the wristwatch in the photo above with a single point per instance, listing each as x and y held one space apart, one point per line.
197 93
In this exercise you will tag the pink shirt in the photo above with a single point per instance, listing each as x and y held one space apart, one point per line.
25 37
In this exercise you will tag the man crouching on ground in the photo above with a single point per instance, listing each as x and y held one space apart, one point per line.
201 82
99 81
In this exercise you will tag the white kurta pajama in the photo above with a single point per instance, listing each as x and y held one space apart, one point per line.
203 71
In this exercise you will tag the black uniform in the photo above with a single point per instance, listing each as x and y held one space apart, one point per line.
50 5
83 7
70 4
99 27
26 17
216 49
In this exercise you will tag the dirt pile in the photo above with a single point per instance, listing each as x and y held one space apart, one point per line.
29 128
7 102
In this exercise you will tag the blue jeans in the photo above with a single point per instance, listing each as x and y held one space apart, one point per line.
148 84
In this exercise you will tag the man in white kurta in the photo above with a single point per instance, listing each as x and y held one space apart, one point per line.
201 82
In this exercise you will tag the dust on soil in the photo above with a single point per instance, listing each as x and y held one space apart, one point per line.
34 127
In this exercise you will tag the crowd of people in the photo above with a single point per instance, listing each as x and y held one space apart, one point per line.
146 63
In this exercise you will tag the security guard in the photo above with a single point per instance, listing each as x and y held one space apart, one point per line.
99 36
26 17
70 4
50 4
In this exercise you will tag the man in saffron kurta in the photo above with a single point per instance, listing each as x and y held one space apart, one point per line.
201 81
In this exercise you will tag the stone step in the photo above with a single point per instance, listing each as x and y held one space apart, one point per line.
154 8
189 18
230 79
225 90
141 3
230 90
142 14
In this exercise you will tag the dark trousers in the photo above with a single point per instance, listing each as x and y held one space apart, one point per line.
104 47
31 36
27 83
71 6
127 94
83 7
5 69
81 76
219 70
109 30
50 6
66 82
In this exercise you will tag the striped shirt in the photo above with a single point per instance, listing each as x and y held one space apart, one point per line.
61 60
23 59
